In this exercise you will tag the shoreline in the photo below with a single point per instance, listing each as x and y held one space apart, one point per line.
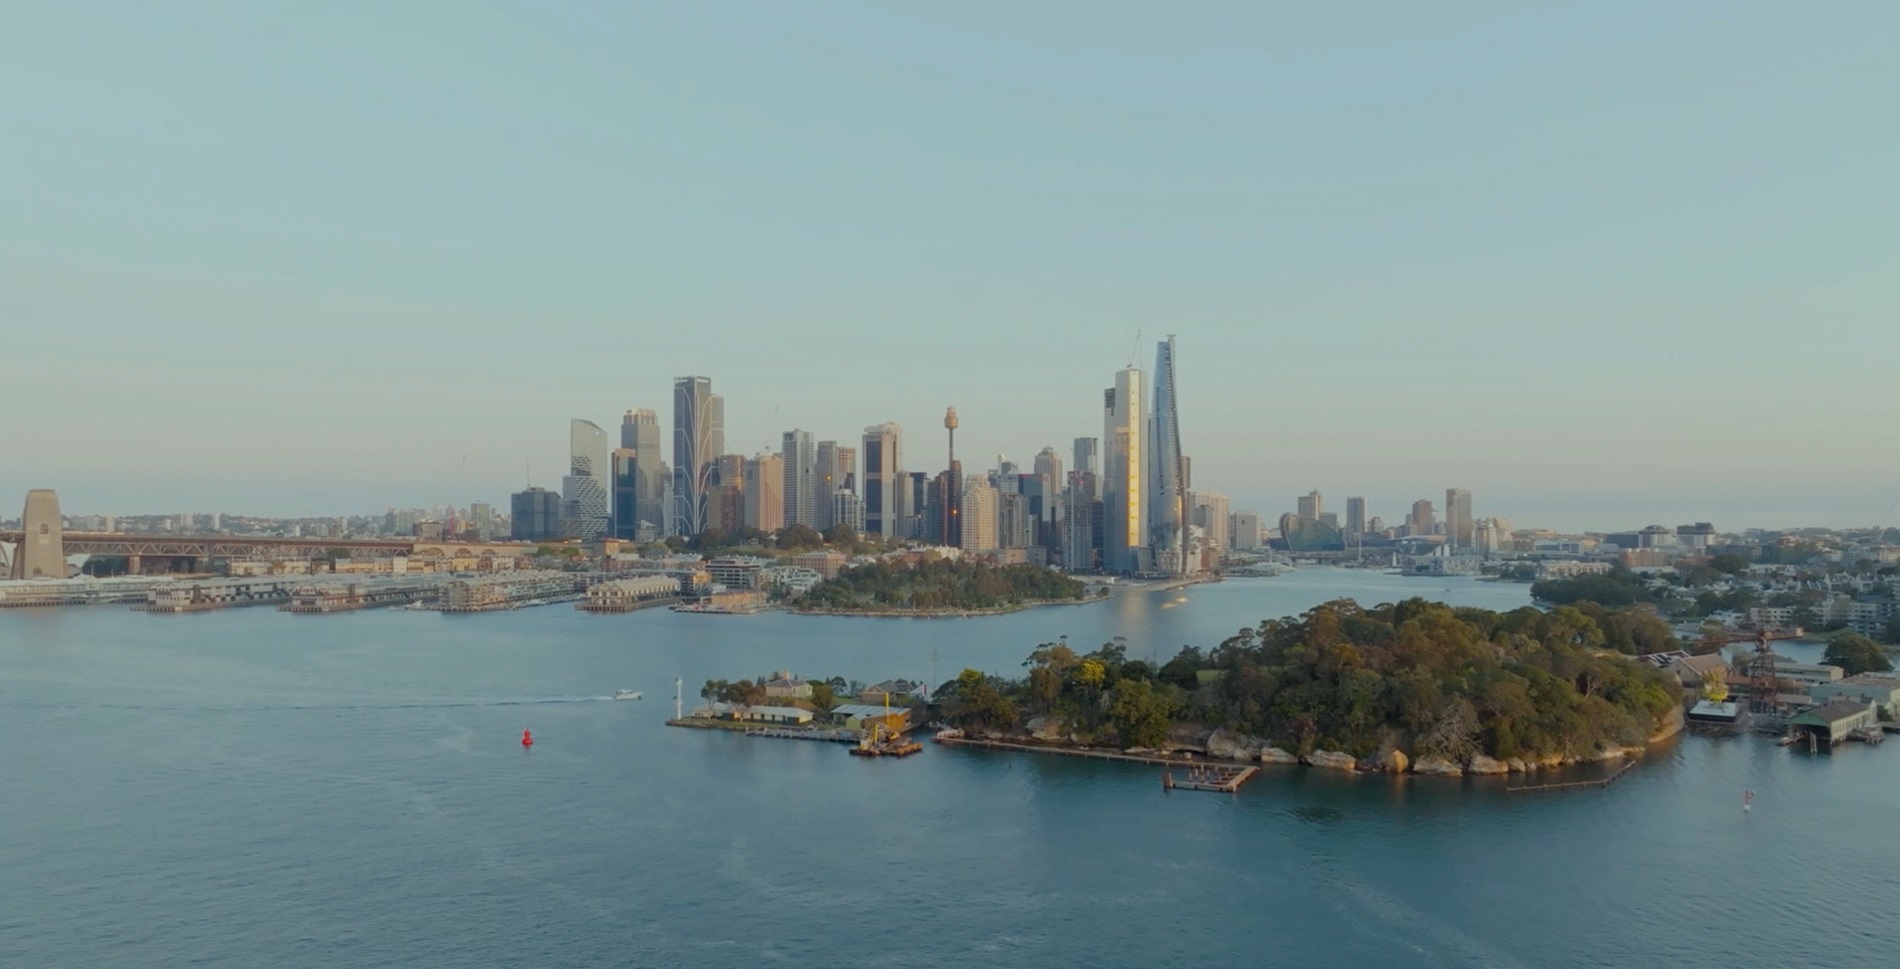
1115 591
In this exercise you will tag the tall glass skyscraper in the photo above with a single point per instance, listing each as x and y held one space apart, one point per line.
883 480
1124 470
639 478
699 436
801 472
585 505
1168 473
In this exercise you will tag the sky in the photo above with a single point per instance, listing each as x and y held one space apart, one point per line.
1603 263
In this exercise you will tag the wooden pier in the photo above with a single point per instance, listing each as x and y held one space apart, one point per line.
1628 765
1201 775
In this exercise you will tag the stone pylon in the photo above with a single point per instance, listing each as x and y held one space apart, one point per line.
42 551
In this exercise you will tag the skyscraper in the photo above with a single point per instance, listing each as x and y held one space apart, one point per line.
1422 522
1088 452
1014 526
1080 527
833 472
1355 516
847 509
801 470
949 491
1312 505
1124 465
1211 515
1247 531
1049 469
725 494
765 492
1167 493
978 514
533 515
1459 530
699 435
639 476
42 549
585 502
882 482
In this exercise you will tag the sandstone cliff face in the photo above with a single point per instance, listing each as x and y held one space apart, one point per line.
1480 764
1233 746
1274 755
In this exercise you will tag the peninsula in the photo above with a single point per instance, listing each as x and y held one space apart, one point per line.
1417 686
939 587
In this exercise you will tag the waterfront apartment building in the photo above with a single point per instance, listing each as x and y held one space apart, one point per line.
639 477
1355 516
1247 533
765 492
699 435
800 457
533 515
1459 528
1124 471
585 496
883 482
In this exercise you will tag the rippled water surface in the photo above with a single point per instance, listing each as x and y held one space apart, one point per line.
249 788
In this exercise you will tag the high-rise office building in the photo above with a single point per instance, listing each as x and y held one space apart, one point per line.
978 514
1213 516
1088 458
1422 522
1081 511
1124 468
1054 481
699 435
1459 532
533 515
481 517
1248 534
725 494
42 549
586 505
639 477
1015 527
847 509
1312 505
801 472
1167 493
832 472
1355 516
883 482
765 492
916 499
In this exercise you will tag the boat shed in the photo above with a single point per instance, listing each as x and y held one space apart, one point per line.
863 716
1832 722
1866 687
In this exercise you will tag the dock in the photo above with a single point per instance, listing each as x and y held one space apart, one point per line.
1202 775
1628 765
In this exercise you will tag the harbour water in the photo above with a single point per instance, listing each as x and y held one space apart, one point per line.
251 788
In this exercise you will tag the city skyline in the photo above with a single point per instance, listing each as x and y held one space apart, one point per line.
1614 335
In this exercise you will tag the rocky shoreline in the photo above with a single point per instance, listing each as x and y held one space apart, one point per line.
1222 745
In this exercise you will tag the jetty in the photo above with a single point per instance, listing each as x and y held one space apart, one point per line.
1200 775
1614 776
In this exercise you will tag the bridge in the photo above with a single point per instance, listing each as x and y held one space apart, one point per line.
201 549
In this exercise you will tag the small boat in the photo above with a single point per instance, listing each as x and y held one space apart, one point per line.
628 694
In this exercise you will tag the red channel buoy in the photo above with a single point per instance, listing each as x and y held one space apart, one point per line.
527 739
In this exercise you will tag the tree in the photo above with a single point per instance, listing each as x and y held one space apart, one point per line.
797 537
1729 563
841 534
1855 653
1140 715
823 697
745 694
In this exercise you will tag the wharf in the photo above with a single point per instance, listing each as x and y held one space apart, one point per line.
1205 776
1628 765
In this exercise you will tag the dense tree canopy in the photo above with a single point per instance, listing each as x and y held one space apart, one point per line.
1418 675
938 584
1855 653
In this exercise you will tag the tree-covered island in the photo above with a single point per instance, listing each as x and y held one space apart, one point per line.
1417 685
939 586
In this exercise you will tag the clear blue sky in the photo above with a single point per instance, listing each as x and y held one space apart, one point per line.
1604 263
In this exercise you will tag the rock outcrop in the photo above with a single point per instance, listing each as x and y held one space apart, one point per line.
1233 746
1046 729
1480 764
1274 755
1332 760
1437 766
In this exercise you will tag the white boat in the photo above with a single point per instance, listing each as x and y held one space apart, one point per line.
628 694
